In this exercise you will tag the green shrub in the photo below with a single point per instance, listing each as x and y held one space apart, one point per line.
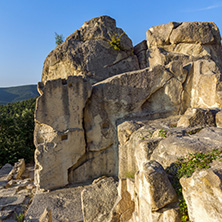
58 39
130 174
16 131
162 133
115 41
20 217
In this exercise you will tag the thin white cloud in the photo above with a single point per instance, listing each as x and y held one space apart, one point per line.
207 8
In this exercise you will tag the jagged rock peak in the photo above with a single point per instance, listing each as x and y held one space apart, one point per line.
99 27
88 52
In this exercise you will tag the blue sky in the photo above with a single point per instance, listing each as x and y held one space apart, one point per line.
27 27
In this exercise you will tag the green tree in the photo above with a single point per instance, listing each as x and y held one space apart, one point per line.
58 39
16 131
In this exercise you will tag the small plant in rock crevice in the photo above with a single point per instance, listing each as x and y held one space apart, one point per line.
149 135
130 174
20 217
186 167
115 41
162 133
192 132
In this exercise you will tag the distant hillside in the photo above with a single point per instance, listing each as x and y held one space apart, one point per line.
17 93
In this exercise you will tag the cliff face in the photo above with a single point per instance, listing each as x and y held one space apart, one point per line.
100 97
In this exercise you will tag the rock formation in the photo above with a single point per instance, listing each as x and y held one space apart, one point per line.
87 52
110 109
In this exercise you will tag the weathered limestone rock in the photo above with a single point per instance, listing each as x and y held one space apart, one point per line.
65 205
98 200
160 34
219 119
156 188
112 100
126 129
46 216
203 194
160 56
192 38
206 78
125 205
17 170
88 52
156 196
59 134
194 117
137 141
140 52
94 165
194 43
195 32
79 126
192 141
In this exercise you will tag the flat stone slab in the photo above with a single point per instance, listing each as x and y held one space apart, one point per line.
4 171
11 200
65 205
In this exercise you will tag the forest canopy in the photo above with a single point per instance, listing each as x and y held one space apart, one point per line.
16 131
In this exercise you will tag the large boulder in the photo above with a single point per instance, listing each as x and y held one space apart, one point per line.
192 38
88 52
64 204
143 92
196 32
156 188
98 200
203 194
157 200
59 135
197 117
139 139
160 34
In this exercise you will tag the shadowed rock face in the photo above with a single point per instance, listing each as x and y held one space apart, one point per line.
88 88
87 52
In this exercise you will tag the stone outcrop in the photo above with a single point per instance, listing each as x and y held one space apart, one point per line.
88 52
202 192
155 192
197 117
128 112
17 171
64 204
167 46
98 200
59 133
142 144
190 38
